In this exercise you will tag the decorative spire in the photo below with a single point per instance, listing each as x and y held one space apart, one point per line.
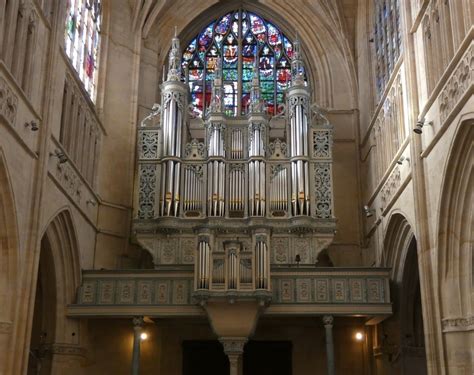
256 104
174 67
297 66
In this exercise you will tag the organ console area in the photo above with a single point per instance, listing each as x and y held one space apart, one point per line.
234 196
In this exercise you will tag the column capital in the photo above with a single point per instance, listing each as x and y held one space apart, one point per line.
328 320
138 321
233 345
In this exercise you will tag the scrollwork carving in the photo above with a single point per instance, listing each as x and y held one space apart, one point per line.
146 192
323 190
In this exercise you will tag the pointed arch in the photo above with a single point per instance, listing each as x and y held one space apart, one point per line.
60 252
406 325
456 227
9 244
329 61
398 236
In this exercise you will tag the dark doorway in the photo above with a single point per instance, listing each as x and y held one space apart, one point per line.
267 358
204 358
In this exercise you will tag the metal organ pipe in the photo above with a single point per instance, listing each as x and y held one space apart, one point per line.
173 102
233 273
216 170
257 180
300 196
261 255
204 253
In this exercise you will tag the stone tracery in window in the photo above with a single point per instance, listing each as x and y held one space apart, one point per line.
387 38
246 43
82 40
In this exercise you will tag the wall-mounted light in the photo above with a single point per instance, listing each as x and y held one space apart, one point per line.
368 211
402 159
359 336
60 155
418 129
33 125
143 336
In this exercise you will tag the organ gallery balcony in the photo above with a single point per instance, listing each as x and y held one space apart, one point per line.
293 291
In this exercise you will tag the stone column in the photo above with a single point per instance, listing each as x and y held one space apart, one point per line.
328 323
137 330
233 347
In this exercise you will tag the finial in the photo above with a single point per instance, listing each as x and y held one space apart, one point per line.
297 67
174 67
176 31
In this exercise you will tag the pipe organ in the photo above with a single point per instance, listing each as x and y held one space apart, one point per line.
235 196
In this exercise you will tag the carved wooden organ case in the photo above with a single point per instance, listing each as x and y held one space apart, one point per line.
234 197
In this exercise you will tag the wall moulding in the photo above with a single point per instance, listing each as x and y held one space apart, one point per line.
463 49
458 324
395 73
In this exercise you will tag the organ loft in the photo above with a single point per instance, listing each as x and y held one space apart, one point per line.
248 193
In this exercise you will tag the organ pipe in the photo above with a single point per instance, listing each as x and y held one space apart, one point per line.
204 264
173 100
261 257
298 99
233 270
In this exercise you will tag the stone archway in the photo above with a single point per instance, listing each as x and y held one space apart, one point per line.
401 337
54 345
455 252
8 263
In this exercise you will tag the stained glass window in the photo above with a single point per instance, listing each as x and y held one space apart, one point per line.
246 43
387 41
82 40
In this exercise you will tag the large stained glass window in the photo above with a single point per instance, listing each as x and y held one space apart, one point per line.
387 38
82 39
246 43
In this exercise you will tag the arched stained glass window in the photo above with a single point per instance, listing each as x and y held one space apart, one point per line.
246 43
82 40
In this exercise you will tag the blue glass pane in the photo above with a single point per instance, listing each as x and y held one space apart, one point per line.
247 74
288 47
189 52
205 38
223 25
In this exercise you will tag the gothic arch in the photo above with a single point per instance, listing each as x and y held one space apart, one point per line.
398 236
57 282
8 257
405 327
456 227
327 55
60 250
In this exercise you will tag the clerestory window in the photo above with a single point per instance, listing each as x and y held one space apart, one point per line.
246 43
387 38
82 40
